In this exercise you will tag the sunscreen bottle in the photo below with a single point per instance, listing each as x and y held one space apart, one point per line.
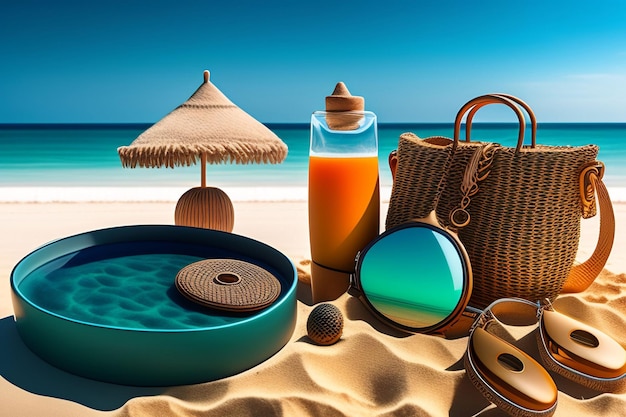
344 195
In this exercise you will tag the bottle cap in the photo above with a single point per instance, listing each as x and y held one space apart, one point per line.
342 100
338 106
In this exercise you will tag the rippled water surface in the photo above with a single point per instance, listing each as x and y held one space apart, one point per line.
135 291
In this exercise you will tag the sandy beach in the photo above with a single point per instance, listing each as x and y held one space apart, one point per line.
372 370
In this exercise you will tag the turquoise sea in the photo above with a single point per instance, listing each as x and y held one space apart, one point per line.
79 162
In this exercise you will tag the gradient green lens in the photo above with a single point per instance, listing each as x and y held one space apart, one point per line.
414 276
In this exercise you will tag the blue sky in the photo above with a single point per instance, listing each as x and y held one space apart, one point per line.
413 61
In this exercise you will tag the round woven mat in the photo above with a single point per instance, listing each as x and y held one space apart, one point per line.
228 284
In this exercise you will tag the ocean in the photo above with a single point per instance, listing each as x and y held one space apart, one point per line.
79 162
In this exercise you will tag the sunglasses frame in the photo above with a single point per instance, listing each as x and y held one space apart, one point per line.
444 325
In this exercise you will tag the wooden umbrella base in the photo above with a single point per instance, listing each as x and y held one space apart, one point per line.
206 207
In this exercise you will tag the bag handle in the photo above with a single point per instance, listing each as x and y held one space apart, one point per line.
473 106
582 275
526 107
481 101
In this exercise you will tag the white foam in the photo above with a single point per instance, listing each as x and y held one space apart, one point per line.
172 194
140 194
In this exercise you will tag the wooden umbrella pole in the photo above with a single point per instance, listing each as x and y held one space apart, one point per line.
203 170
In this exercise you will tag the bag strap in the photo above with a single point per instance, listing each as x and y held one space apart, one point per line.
582 275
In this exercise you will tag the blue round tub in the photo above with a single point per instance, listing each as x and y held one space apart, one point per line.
103 305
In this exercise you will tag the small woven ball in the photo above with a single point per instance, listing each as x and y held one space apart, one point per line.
325 324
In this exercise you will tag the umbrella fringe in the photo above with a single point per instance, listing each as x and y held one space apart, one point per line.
178 155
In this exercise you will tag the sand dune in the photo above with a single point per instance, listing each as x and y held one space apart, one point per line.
372 370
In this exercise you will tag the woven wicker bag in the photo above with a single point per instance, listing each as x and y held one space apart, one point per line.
516 210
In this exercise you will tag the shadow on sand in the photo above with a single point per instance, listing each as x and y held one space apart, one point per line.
24 369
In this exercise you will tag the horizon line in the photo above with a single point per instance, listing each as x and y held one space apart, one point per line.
281 124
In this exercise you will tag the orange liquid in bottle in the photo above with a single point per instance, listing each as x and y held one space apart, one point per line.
344 208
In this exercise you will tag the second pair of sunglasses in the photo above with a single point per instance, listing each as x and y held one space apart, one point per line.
417 278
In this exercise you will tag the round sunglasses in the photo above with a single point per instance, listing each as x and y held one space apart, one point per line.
415 277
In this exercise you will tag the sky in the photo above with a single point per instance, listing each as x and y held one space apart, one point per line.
413 61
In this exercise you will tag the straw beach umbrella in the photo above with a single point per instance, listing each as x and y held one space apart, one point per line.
208 128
